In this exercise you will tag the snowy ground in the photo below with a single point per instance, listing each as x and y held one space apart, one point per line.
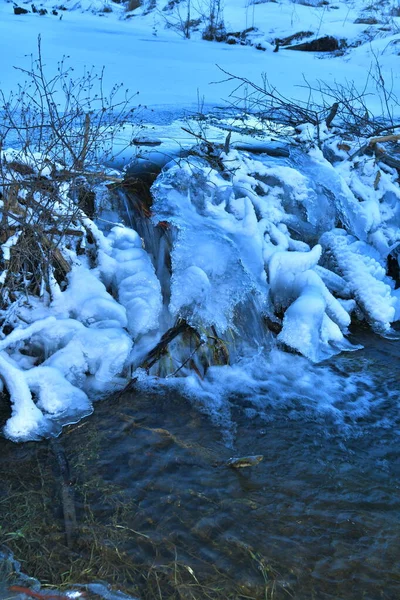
171 71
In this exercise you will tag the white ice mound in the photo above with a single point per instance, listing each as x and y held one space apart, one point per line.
27 421
57 401
362 268
93 358
314 321
82 353
135 281
87 300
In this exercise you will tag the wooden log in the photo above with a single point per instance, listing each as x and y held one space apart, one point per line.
161 348
390 161
324 44
56 255
394 137
373 141
332 114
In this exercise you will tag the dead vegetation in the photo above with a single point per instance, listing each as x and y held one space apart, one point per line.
341 108
142 563
62 128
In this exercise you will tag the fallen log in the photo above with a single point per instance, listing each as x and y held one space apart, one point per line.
394 137
66 492
161 348
287 41
324 44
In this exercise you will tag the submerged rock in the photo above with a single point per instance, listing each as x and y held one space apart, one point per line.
244 461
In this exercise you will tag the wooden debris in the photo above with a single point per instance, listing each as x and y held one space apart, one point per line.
394 137
274 326
80 161
263 148
161 348
220 351
20 168
66 492
376 140
56 255
146 142
64 232
332 114
295 37
324 44
390 161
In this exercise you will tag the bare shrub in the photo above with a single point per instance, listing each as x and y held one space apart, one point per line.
326 104
55 133
214 21
179 17
185 16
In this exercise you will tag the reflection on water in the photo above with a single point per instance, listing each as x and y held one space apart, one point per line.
318 518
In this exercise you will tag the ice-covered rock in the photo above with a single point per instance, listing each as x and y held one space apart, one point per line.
314 321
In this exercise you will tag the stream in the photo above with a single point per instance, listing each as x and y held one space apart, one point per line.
318 517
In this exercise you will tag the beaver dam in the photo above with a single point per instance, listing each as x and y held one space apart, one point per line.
231 324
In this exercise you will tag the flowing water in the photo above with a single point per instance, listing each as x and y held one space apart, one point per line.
156 508
318 517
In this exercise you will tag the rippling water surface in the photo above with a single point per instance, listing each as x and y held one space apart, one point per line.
319 517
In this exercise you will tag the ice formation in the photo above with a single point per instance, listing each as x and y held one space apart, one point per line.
365 273
135 282
243 240
217 256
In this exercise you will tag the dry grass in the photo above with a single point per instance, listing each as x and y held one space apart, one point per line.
106 548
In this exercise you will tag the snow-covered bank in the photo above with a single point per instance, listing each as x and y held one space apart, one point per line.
170 71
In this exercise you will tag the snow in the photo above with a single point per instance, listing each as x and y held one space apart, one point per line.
31 420
26 421
87 300
170 71
360 265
